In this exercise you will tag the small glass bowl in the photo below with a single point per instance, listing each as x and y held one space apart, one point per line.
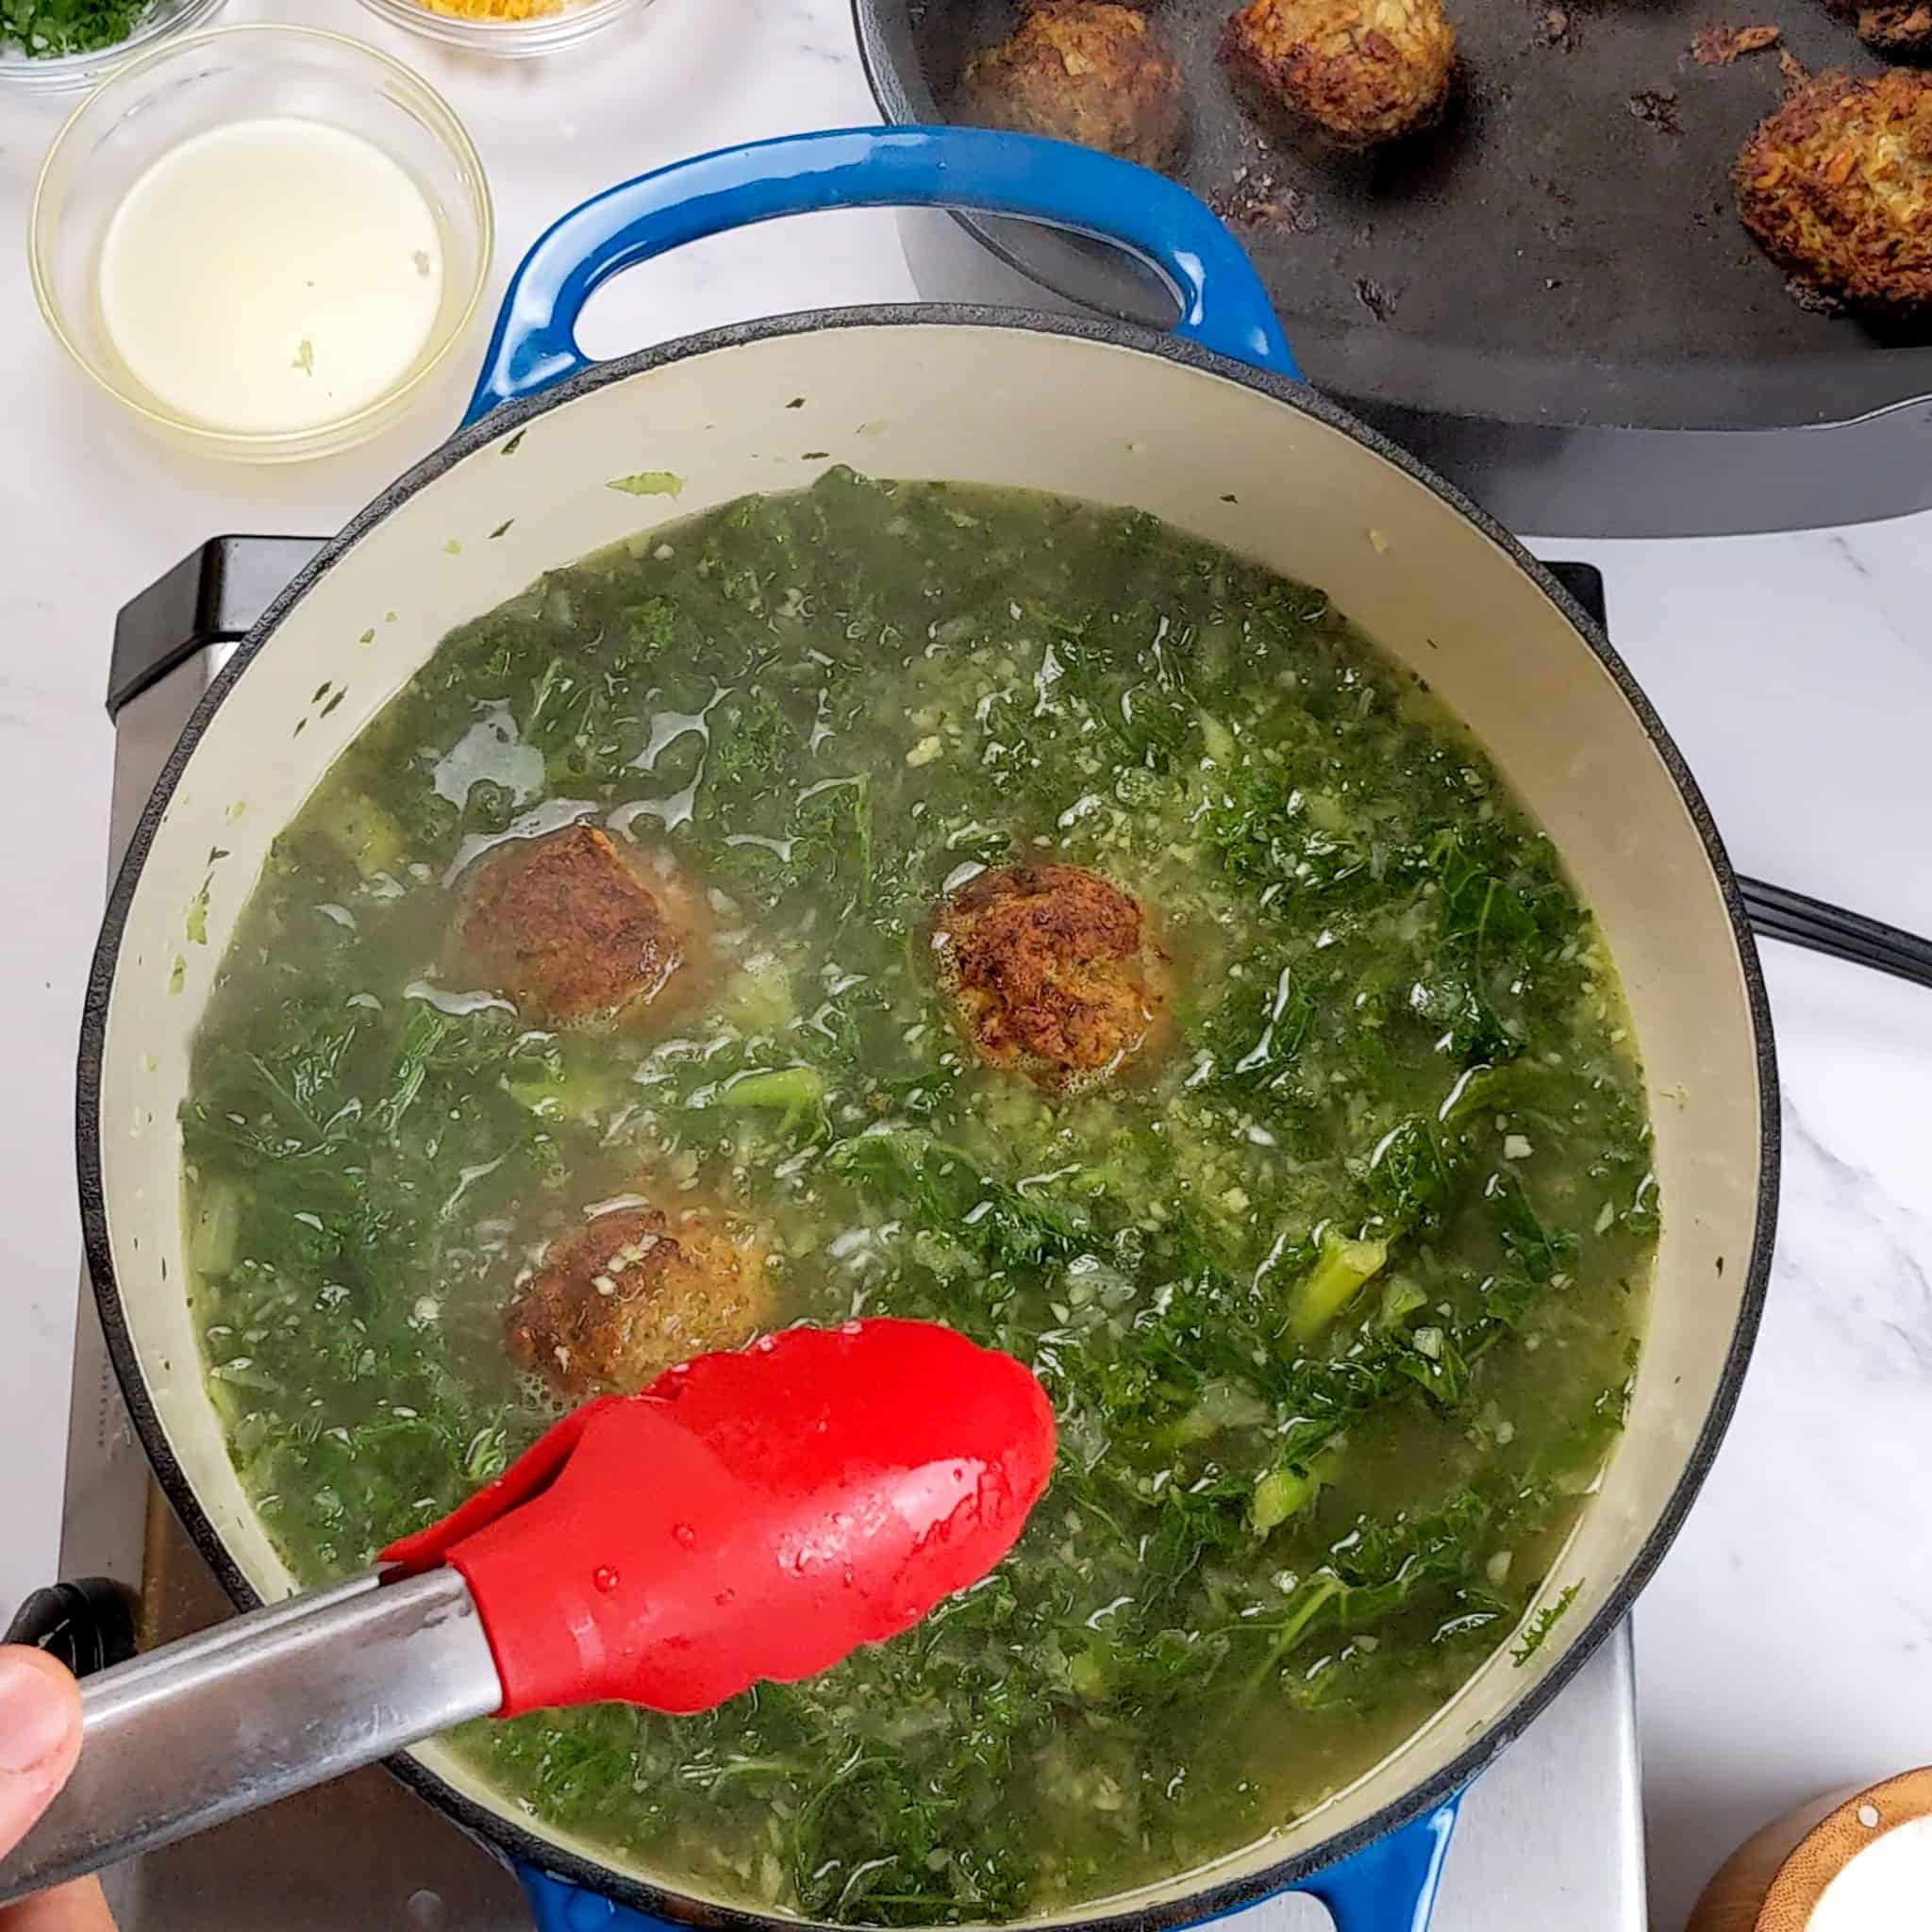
206 81
69 74
510 40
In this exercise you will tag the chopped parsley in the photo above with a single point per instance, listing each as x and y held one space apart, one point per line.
45 29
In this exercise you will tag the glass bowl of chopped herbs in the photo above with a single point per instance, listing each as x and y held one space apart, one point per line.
65 46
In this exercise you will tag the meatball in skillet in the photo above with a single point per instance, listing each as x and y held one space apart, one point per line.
1901 28
574 927
1356 72
1051 972
1084 71
1836 186
634 1290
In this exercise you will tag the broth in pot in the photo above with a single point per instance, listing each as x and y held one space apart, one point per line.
934 901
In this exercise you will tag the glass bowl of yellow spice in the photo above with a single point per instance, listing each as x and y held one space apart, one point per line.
512 29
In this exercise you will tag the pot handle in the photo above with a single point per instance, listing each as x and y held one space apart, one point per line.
1388 1886
1222 305
1799 920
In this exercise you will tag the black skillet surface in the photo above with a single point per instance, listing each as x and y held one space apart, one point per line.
1562 253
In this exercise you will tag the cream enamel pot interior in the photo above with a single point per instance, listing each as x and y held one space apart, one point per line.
1247 459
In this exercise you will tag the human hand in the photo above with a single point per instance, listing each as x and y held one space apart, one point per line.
39 1738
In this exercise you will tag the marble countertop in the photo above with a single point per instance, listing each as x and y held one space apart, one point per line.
1786 1646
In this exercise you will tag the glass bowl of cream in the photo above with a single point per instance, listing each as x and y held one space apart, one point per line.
262 240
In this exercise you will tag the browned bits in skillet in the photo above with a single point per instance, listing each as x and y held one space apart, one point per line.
1717 47
1837 186
1358 72
1051 972
1084 71
1656 106
1260 198
1374 298
573 928
616 1302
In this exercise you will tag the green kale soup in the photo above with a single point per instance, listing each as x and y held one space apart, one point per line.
976 905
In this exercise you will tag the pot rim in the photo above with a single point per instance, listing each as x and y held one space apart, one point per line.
1212 1899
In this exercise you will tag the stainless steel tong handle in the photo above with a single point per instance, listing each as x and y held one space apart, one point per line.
288 1696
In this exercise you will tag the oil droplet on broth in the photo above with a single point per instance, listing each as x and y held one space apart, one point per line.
605 1577
684 1534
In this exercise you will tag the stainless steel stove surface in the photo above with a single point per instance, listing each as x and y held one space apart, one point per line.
1549 1837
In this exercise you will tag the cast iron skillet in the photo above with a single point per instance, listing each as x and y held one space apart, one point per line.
1526 295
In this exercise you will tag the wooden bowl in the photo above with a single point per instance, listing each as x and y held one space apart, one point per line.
1772 1882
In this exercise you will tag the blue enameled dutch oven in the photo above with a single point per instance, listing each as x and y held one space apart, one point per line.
1209 428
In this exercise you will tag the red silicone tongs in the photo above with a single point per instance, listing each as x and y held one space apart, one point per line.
750 1515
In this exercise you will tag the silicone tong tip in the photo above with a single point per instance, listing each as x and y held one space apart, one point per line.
753 1514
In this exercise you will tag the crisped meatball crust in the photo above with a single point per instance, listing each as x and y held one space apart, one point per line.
1084 71
1049 970
1358 71
1837 186
1902 28
569 928
619 1300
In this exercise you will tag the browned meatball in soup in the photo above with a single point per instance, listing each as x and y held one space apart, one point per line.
619 1300
574 927
1050 971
